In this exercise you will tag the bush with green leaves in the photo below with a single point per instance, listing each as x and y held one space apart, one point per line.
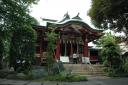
71 78
126 65
111 54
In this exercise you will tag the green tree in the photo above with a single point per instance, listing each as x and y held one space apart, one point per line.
14 15
112 14
111 53
52 37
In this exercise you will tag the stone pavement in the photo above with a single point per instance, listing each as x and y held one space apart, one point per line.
18 82
93 81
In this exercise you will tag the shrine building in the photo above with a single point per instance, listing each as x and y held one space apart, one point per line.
72 43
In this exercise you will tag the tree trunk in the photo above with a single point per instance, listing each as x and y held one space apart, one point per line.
1 66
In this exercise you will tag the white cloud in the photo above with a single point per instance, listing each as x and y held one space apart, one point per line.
55 9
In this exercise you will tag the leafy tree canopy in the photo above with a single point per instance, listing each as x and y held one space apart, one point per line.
14 14
112 14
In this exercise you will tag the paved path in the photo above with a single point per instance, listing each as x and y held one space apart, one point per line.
93 81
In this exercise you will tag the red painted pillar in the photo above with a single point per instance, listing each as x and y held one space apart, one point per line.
41 40
57 55
41 50
71 49
71 52
85 50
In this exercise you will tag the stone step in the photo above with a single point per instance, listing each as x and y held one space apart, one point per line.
83 65
89 73
85 69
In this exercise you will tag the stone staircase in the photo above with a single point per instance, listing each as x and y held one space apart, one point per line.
85 69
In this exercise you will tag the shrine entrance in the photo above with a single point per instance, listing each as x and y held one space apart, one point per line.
71 49
72 45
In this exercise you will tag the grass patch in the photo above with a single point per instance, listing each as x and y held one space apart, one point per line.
58 77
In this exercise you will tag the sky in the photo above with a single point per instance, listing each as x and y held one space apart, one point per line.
55 9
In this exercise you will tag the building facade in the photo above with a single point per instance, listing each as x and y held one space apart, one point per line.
72 43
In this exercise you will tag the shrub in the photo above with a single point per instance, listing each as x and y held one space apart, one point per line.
111 55
65 76
126 65
71 78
